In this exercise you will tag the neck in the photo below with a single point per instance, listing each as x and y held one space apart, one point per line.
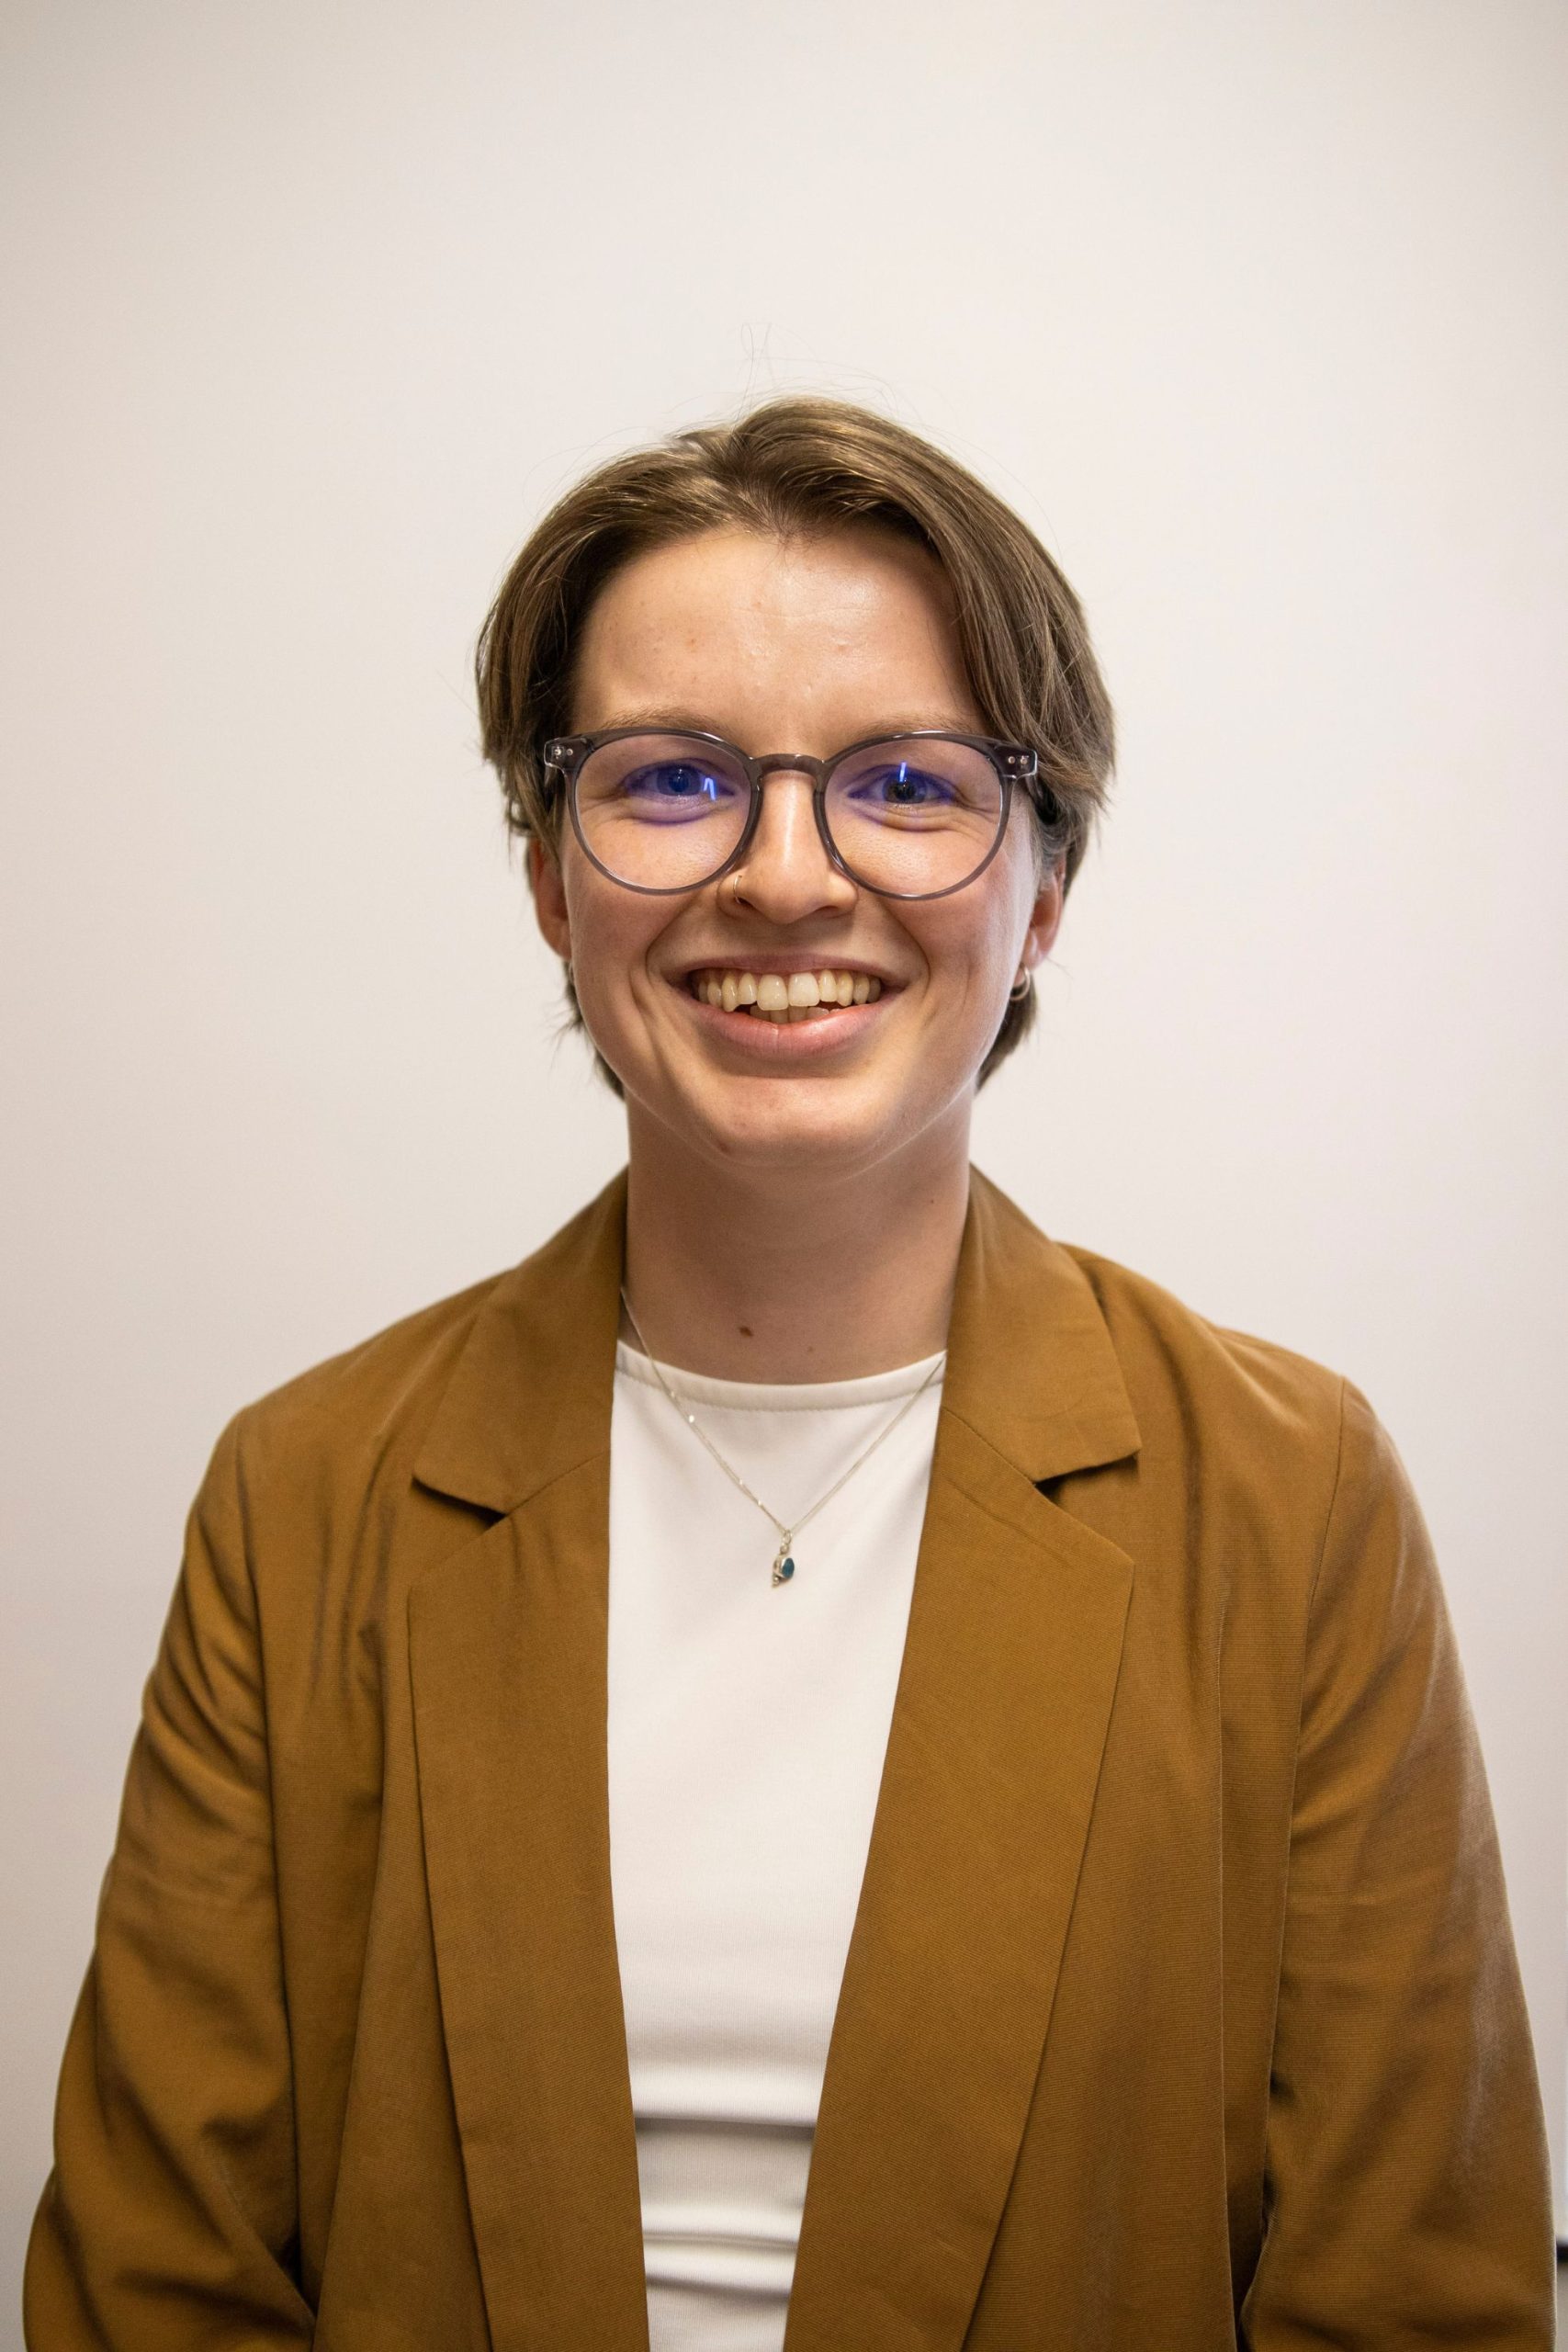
745 1276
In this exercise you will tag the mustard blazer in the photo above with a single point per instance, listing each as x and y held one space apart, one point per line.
1182 2009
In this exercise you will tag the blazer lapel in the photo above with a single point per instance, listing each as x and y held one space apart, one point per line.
508 1651
998 1726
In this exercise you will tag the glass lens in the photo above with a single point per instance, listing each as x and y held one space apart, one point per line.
914 816
661 812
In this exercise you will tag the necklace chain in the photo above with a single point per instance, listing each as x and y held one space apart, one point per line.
784 1566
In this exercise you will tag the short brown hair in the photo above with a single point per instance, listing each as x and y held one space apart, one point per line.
792 465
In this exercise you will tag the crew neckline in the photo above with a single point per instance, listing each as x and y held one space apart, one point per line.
779 1397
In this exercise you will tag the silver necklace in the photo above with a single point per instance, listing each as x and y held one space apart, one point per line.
783 1561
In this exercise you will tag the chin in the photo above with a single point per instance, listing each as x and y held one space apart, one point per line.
824 1130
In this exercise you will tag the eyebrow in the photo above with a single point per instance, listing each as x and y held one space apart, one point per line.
671 720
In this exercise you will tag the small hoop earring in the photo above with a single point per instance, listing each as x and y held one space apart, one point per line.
1020 987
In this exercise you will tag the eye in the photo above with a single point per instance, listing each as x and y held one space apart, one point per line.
902 785
682 780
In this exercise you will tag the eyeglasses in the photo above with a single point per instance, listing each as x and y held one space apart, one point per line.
909 816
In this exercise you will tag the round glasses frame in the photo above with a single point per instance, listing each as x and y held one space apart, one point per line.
1015 764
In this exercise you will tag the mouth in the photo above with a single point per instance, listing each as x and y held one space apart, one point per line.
784 999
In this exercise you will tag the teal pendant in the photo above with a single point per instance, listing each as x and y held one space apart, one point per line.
784 1568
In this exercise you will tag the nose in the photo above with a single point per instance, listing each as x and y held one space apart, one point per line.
786 874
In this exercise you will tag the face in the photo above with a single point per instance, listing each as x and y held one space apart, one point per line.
805 645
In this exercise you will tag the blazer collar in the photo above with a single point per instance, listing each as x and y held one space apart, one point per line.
1030 1368
529 1398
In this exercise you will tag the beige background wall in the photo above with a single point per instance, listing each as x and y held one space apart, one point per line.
1255 310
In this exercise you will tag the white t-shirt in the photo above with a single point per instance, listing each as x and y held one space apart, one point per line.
748 1723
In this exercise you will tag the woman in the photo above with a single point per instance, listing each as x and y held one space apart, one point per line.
805 1671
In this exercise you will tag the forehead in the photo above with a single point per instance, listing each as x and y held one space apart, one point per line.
830 634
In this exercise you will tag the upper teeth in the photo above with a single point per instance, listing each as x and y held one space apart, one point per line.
781 996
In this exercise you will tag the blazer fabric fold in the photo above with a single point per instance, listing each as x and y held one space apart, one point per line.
1181 2010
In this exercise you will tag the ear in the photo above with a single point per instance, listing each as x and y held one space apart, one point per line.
550 897
1045 917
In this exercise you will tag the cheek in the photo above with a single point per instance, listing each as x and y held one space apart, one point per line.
971 941
612 932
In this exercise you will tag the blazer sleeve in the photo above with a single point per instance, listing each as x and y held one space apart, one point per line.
1407 2196
169 2215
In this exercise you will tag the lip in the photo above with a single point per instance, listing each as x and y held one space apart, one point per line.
785 1041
